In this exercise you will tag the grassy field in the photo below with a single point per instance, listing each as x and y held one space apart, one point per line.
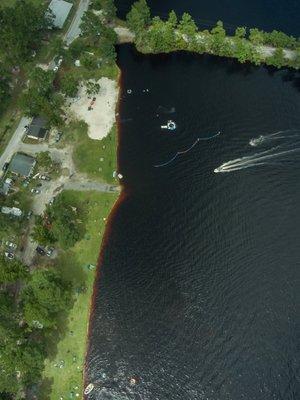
66 381
96 158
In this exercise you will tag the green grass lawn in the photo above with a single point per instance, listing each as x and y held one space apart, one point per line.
65 382
96 158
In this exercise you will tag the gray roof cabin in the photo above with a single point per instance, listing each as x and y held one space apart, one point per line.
22 164
60 10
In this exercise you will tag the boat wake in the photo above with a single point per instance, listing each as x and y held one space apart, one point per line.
186 151
262 139
263 158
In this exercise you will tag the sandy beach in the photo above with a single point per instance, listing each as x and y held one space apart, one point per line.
101 115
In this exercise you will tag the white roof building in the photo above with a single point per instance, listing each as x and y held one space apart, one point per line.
11 211
60 10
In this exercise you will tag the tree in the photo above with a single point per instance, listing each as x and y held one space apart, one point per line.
172 20
277 59
91 26
240 32
108 51
21 29
77 47
107 6
12 270
139 17
92 88
5 79
69 85
21 363
42 233
256 36
44 297
219 31
187 25
40 97
109 9
88 61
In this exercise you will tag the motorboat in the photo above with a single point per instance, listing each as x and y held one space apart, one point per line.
171 125
89 388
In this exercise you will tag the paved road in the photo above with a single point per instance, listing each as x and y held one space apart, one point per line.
14 142
74 29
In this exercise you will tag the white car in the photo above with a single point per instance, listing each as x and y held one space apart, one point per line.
11 245
9 255
35 191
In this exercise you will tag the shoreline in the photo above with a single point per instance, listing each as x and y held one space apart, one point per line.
264 51
104 239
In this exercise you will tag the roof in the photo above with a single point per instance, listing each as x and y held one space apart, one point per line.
60 10
21 164
37 128
4 188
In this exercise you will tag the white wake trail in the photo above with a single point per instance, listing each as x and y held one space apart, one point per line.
273 136
251 161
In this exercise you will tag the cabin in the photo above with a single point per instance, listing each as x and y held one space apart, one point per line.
60 11
37 129
22 165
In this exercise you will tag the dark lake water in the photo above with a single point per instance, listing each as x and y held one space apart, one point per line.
199 289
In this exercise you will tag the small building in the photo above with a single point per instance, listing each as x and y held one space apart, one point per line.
37 129
60 10
21 164
16 212
5 186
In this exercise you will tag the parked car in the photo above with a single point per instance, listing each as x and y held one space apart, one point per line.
5 166
40 250
9 255
49 251
45 178
11 245
35 191
29 214
58 137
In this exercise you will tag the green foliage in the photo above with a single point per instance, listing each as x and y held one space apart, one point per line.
88 61
69 85
173 20
139 16
187 25
12 270
91 26
77 47
92 88
46 295
240 32
109 9
5 79
44 160
280 39
21 30
108 51
42 233
161 36
277 59
256 36
40 97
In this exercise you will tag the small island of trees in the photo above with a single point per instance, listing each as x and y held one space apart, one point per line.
154 35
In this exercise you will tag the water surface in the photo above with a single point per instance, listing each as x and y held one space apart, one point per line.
198 294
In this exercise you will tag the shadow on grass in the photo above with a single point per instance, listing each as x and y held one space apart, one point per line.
75 273
45 389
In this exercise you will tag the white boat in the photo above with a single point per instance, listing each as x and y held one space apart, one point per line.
171 126
89 388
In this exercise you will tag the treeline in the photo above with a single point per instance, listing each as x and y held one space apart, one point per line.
28 322
34 304
155 35
22 28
